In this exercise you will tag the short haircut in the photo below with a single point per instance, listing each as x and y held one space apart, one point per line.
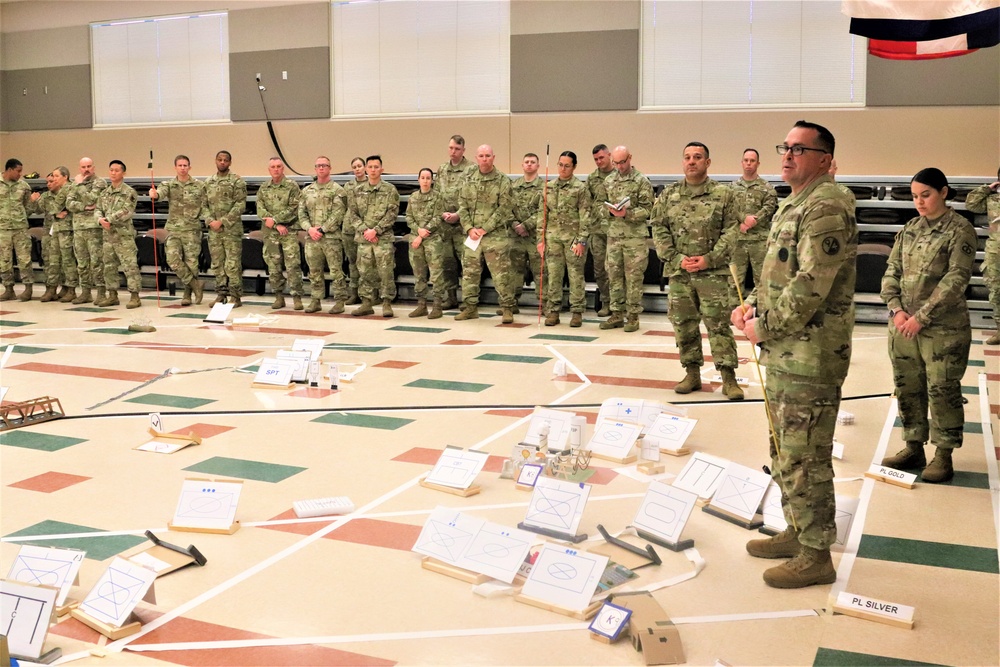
226 153
458 139
12 163
826 140
373 157
124 168
276 158
323 157
62 170
598 148
182 157
428 170
698 144
570 154
530 155
755 152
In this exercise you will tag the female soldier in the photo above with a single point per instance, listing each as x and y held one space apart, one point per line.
423 216
347 233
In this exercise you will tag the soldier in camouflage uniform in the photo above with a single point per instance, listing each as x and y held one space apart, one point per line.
347 231
321 214
54 203
115 208
186 196
485 207
598 246
278 209
525 231
374 206
15 202
49 204
564 244
929 329
225 201
88 237
451 176
986 199
628 253
803 313
695 223
423 217
756 202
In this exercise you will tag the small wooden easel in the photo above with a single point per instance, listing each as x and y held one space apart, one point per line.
579 614
468 576
753 524
111 632
471 490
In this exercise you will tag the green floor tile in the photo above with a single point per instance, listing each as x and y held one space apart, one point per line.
166 400
572 339
935 554
97 548
89 309
112 330
416 329
514 358
828 657
973 427
970 390
25 349
363 420
40 441
449 385
965 479
354 348
244 469
14 323
190 316
977 362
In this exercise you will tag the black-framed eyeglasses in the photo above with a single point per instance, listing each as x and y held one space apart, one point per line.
620 163
797 150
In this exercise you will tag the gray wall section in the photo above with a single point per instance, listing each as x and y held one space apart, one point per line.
286 26
65 105
304 94
575 71
970 80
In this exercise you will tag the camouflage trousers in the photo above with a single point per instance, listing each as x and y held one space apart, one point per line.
67 259
420 264
804 413
226 249
927 371
351 252
748 252
183 249
434 251
452 254
51 259
88 247
524 255
119 248
560 261
328 251
377 268
598 249
627 260
15 242
496 254
695 297
283 251
991 273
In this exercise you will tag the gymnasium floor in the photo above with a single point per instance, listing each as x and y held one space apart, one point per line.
348 591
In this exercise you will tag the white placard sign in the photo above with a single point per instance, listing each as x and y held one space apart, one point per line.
25 615
207 504
559 424
636 411
474 544
47 566
702 474
219 313
670 432
740 491
614 439
156 422
529 474
117 592
891 475
275 371
565 577
457 468
300 358
314 346
892 613
557 505
664 511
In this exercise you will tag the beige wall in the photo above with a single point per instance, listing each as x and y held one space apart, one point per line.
962 141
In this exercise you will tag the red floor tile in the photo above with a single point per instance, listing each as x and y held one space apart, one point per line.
84 371
49 482
102 319
396 364
312 392
221 351
307 528
461 341
511 413
378 533
427 456
637 382
203 430
991 353
515 325
14 334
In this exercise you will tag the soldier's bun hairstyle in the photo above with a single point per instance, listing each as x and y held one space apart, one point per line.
935 178
428 170
570 154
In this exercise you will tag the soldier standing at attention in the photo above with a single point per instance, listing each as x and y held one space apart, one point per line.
226 197
695 223
15 201
321 214
423 217
450 177
115 208
986 199
524 232
929 330
50 203
88 238
756 202
598 246
628 253
564 244
278 209
803 314
62 229
187 201
485 209
347 232
374 206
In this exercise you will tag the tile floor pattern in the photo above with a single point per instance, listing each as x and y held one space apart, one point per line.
348 590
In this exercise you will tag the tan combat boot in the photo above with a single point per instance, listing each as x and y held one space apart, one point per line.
279 301
50 294
516 310
605 308
8 293
134 302
364 309
616 321
69 293
783 545
508 316
296 303
994 339
808 568
26 294
730 387
940 469
338 307
691 381
186 299
631 322
552 319
420 310
314 306
387 308
911 456
352 296
435 313
236 301
101 295
110 300
83 296
452 301
219 298
468 314
576 321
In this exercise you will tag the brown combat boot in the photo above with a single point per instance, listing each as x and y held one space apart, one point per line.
468 314
296 303
783 545
516 310
452 300
68 295
691 381
236 301
83 296
631 322
435 313
994 339
576 321
616 321
134 302
364 309
387 308
198 289
219 298
730 387
605 308
552 319
911 456
49 295
314 306
337 308
508 316
279 301
352 296
101 295
186 299
111 299
8 293
940 469
26 294
808 568
420 310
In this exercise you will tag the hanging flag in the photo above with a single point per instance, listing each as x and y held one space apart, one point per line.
938 48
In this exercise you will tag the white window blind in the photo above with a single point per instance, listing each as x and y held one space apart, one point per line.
416 57
161 70
750 53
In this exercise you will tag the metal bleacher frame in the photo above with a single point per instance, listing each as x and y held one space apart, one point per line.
868 304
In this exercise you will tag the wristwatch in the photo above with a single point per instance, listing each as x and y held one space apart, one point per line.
892 312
